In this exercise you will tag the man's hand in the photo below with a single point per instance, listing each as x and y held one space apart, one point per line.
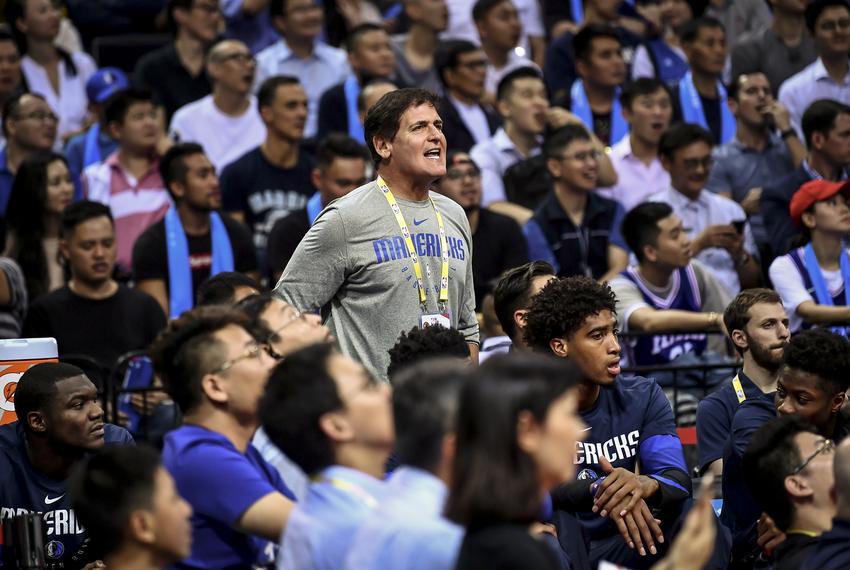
780 115
638 527
144 403
557 117
769 534
752 201
621 488
720 235
540 528
96 565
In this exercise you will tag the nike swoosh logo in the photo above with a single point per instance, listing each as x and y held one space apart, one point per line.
49 501
417 222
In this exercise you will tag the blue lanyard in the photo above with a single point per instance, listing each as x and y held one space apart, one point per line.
819 283
581 109
692 111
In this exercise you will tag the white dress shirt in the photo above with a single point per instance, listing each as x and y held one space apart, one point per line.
635 180
813 83
493 157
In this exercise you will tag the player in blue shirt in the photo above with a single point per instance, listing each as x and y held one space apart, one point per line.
758 327
629 421
216 372
129 504
334 420
812 382
60 422
833 549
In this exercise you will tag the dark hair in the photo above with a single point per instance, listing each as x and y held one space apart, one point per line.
561 308
106 488
425 400
384 117
770 457
25 214
680 135
737 313
338 145
14 11
560 139
187 350
734 87
299 392
820 116
170 8
356 33
513 292
418 344
37 387
583 40
115 108
483 7
640 226
220 289
361 97
172 165
12 107
822 353
640 87
493 480
503 90
268 89
816 8
80 212
253 307
447 56
690 30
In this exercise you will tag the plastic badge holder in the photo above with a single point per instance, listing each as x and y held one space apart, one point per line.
139 375
16 356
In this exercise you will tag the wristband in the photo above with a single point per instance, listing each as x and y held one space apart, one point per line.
789 132
595 486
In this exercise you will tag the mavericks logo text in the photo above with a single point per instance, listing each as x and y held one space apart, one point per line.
617 448
426 244
58 522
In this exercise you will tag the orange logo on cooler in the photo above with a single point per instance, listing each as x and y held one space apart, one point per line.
10 373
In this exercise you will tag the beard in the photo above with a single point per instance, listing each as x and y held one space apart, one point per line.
764 355
472 209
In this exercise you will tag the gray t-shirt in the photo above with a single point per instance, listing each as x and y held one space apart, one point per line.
354 265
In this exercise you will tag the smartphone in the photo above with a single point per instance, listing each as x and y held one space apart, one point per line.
739 225
139 375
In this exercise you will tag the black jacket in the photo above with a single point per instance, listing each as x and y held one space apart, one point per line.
457 133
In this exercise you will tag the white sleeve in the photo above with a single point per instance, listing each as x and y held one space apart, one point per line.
642 64
788 283
493 188
629 300
532 23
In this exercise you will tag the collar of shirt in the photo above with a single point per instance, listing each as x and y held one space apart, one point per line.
357 479
495 341
678 200
284 53
503 143
773 139
750 389
815 175
419 486
821 74
115 166
554 212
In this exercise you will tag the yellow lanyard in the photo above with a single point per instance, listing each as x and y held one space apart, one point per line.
739 390
411 250
809 533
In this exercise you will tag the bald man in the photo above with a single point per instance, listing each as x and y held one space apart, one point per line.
370 95
227 122
833 548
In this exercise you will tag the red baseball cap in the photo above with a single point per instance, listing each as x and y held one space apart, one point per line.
815 191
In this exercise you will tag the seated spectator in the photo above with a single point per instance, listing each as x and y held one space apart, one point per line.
13 299
829 76
758 328
667 291
371 93
249 22
512 298
826 126
499 29
341 166
420 344
414 50
274 179
523 106
328 414
595 96
280 326
226 288
129 180
574 318
647 110
12 82
662 57
765 147
216 373
370 56
510 452
60 421
700 97
57 75
727 249
813 279
497 240
495 341
41 191
746 16
175 72
93 314
778 50
193 242
29 126
788 470
300 53
127 501
812 384
583 228
94 144
227 122
408 530
462 67
833 547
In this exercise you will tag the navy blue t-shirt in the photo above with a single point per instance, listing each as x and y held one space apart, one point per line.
833 549
714 418
220 483
25 490
631 420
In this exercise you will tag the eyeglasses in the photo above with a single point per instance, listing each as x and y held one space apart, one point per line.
237 57
41 116
476 65
832 25
828 446
461 174
583 156
275 335
306 9
694 163
254 351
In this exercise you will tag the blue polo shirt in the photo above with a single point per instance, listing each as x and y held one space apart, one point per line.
571 249
715 414
6 180
833 549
